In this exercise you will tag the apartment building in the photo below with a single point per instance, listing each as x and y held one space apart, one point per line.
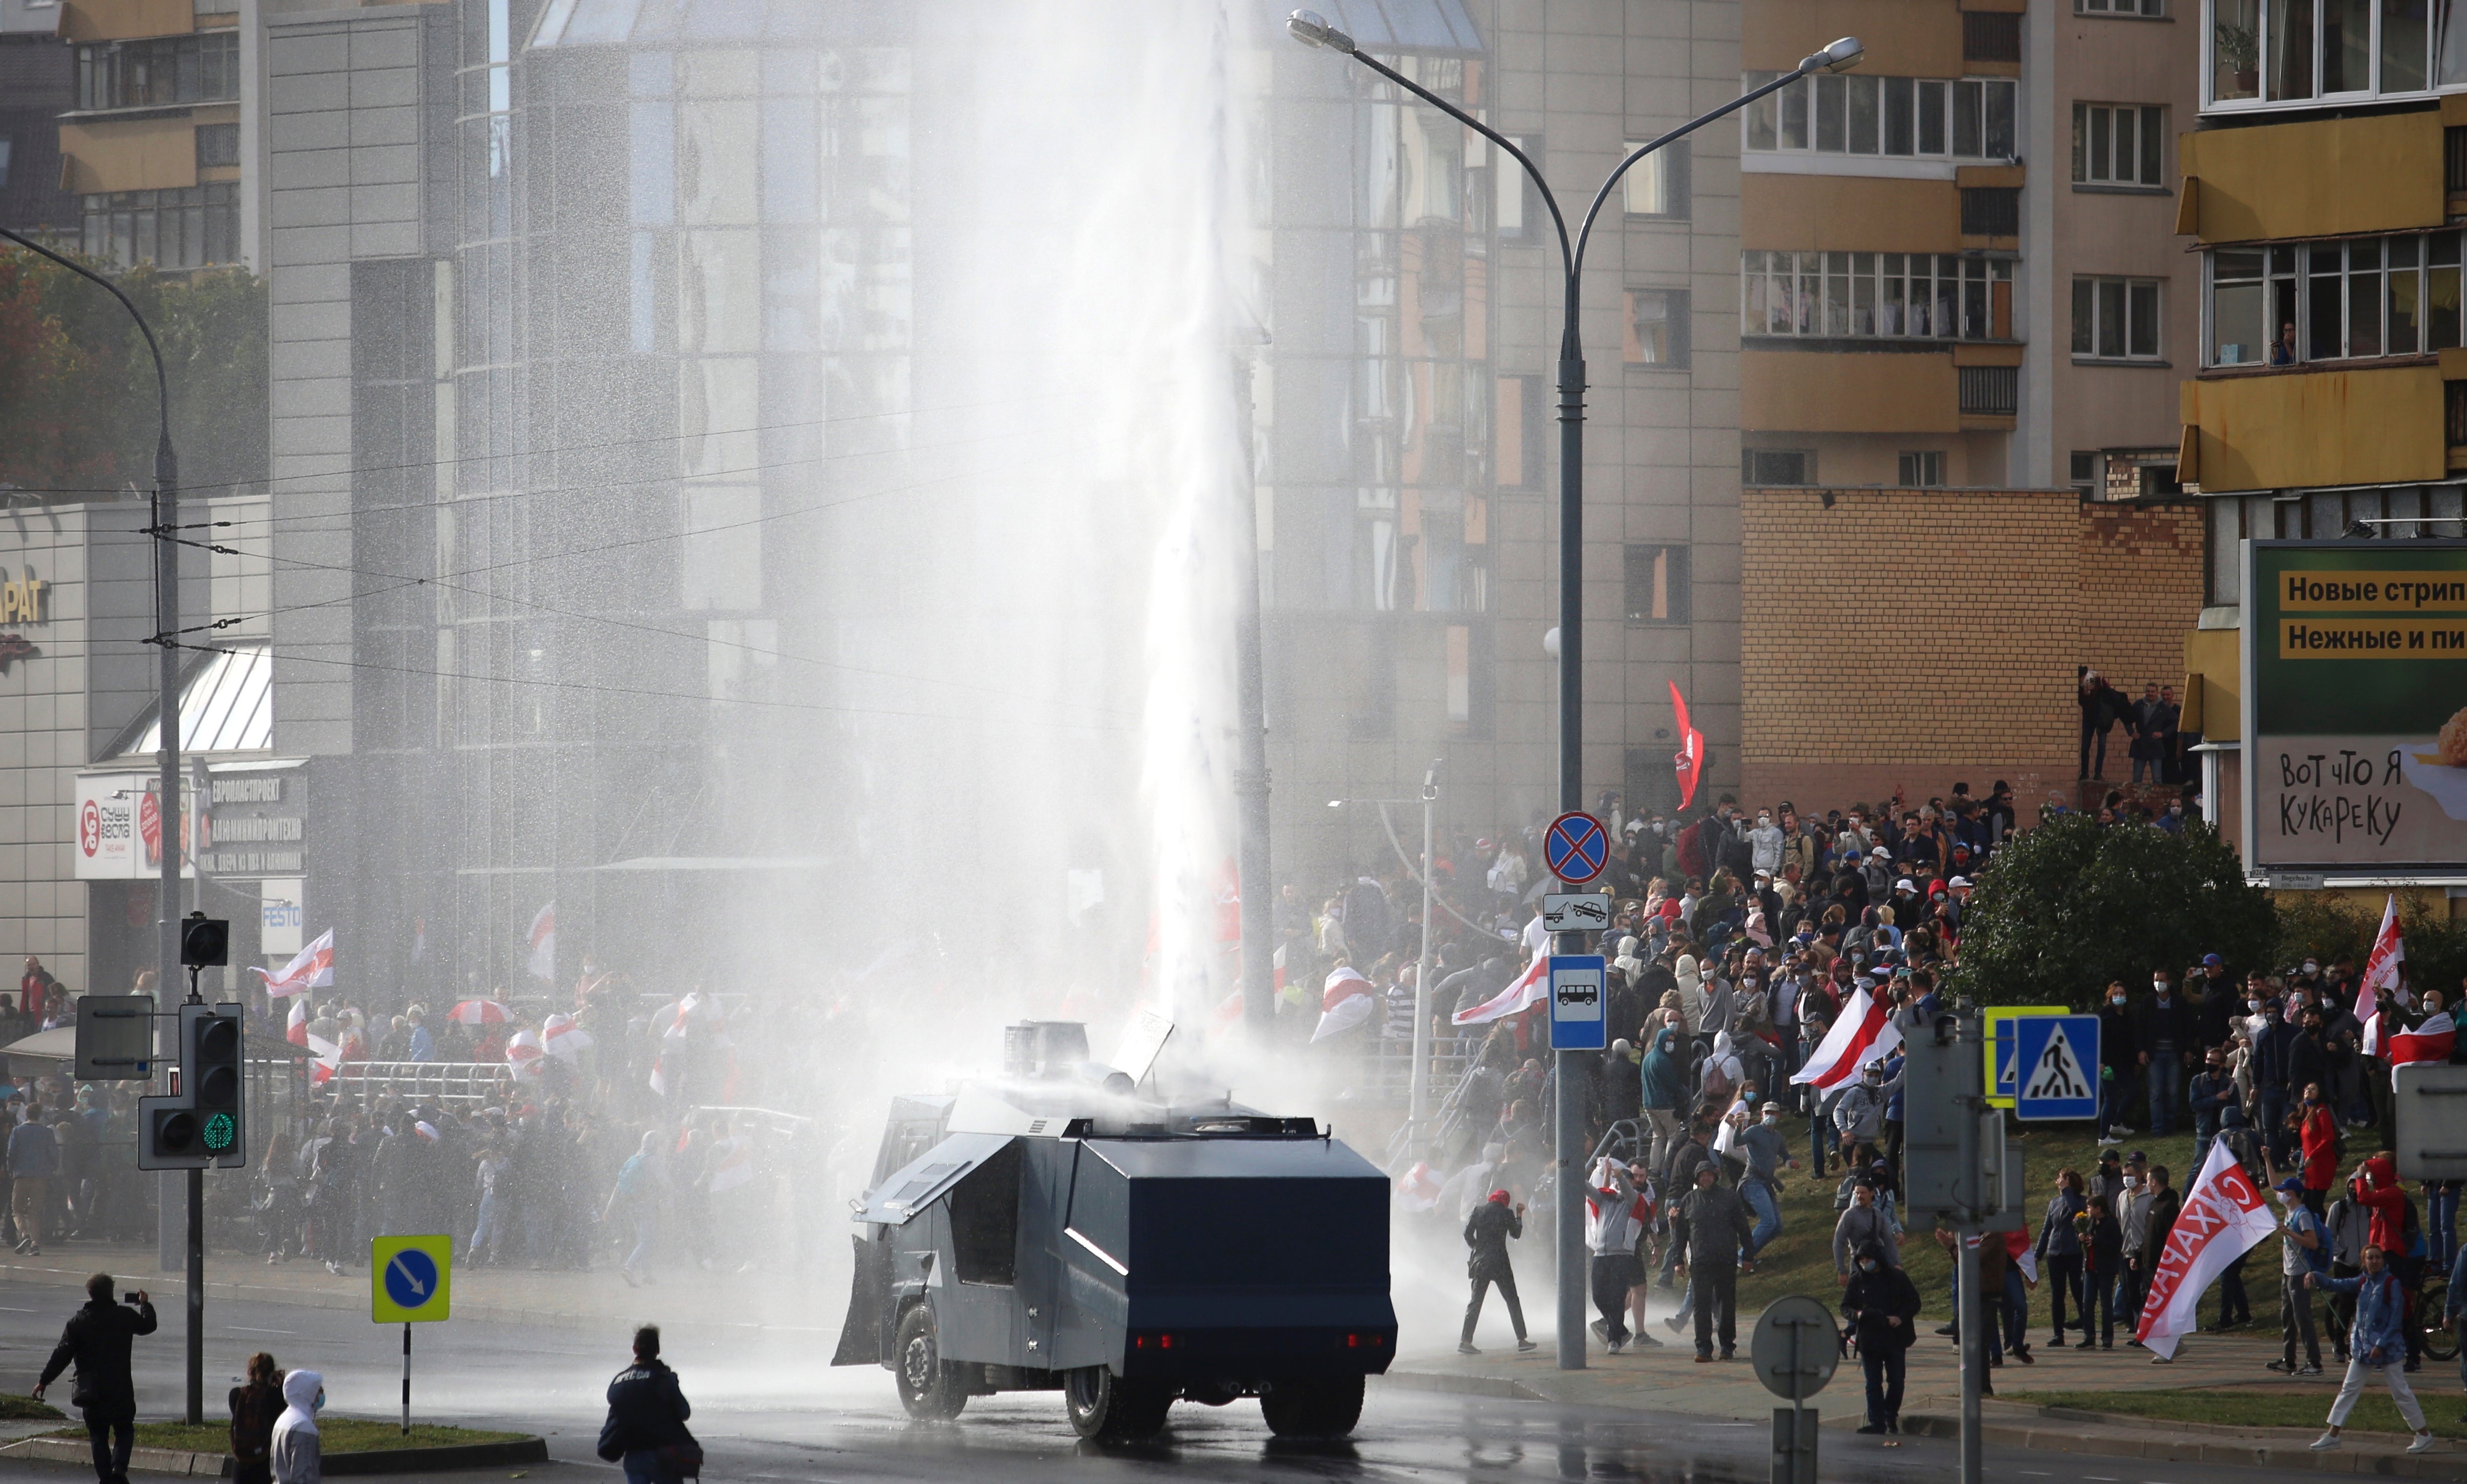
152 144
1956 260
38 84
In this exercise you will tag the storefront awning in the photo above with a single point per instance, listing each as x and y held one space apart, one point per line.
226 706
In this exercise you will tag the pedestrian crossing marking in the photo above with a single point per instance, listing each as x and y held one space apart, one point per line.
2059 1072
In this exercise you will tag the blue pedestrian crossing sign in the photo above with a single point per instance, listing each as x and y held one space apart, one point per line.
411 1279
2055 1067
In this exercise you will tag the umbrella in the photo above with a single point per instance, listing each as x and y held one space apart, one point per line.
480 1012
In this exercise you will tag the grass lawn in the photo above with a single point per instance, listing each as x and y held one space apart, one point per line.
25 1409
2240 1407
335 1434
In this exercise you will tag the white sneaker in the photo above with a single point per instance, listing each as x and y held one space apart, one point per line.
2328 1441
2109 1141
2423 1443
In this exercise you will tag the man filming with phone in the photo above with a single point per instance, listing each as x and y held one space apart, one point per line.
97 1339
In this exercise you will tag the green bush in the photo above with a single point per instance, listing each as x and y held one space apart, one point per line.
2070 906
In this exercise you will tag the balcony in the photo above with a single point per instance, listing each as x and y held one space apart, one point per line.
2283 430
2317 178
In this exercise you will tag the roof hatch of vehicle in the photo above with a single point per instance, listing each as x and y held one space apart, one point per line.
918 1185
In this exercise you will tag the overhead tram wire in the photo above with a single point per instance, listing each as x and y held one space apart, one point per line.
568 448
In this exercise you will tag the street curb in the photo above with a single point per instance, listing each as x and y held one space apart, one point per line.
209 1466
2142 1441
1462 1385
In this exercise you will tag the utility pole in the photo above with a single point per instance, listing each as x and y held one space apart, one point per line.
1417 1083
1251 720
166 510
1313 29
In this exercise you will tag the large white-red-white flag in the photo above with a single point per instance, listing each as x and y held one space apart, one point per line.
542 938
1864 1033
327 1059
2382 964
314 968
295 1030
2430 1041
2224 1218
1527 990
1345 1003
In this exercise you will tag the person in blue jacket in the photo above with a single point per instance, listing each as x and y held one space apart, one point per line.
2376 1341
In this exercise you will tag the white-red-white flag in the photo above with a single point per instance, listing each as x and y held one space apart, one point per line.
296 1029
2430 1041
543 941
564 1040
2382 964
523 1053
314 968
1345 1003
1419 1188
2023 1253
1527 990
2372 1032
2224 1218
327 1059
1864 1032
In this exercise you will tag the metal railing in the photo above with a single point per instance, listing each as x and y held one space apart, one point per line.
453 1084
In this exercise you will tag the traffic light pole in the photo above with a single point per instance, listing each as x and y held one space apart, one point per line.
196 1298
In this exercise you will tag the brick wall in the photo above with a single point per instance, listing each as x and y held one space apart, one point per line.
1912 639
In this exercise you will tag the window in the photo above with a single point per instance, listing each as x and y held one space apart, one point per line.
3 162
2335 301
1516 444
2118 145
1657 185
1935 296
2115 319
2085 473
1656 584
2120 6
170 229
217 145
1657 328
2454 160
1991 37
1991 211
1988 391
240 567
1923 469
1853 113
1783 465
1512 189
2263 52
202 68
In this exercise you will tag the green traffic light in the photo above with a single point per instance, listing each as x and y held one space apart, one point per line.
221 1130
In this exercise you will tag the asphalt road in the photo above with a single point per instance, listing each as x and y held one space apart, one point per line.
768 1407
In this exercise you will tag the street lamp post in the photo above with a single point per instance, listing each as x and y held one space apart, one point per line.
167 625
1313 29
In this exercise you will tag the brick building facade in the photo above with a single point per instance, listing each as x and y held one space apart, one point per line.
1911 639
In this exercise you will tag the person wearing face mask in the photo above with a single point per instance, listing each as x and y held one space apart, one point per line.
1767 1151
297 1455
2163 1038
2102 1243
1882 1304
2211 1095
2319 1136
2060 1254
2117 1062
1764 844
2274 1049
2133 1218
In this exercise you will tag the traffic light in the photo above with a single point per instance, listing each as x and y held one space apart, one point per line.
202 1124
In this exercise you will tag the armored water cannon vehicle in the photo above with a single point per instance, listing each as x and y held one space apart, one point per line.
1059 1230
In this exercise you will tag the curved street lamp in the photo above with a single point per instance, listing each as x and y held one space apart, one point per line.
1313 29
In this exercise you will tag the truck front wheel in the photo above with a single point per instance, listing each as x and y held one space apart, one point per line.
929 1385
1318 1408
1104 1407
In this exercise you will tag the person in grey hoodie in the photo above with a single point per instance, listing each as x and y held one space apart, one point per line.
298 1456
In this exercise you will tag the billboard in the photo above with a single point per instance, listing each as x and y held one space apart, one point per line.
2355 706
117 827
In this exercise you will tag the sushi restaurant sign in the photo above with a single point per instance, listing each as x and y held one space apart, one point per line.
2355 696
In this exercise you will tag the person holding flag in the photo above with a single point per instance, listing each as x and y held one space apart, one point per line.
2376 1342
2223 1217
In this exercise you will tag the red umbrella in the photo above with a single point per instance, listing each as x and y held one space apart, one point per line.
480 1012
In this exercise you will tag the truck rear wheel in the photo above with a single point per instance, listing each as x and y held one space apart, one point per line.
1104 1407
1322 1408
929 1385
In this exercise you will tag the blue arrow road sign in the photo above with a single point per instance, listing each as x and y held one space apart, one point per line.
2055 1067
411 1278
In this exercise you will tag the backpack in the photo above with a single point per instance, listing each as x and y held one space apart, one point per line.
1719 1089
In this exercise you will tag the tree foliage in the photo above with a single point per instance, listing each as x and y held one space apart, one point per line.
77 387
2066 907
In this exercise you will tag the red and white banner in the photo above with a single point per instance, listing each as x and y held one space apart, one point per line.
1864 1033
2023 1253
542 938
564 1040
296 1029
2381 966
2224 1218
312 969
1346 1002
2430 1041
327 1059
1528 990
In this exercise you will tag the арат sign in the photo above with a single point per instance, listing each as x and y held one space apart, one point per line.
2355 705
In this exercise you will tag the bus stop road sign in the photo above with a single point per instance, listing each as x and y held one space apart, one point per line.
1576 1001
2055 1067
411 1279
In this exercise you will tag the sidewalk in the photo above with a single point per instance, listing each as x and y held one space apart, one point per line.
553 1298
1668 1379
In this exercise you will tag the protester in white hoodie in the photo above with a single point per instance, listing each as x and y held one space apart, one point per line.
297 1457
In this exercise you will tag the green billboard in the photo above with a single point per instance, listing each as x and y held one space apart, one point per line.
2354 705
